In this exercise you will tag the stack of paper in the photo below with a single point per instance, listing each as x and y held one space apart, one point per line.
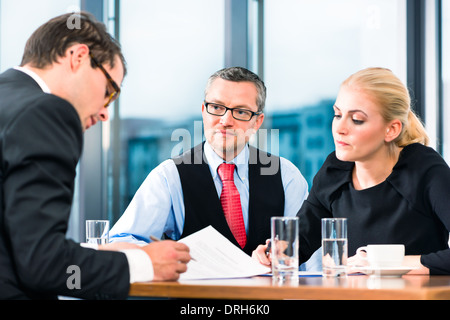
217 258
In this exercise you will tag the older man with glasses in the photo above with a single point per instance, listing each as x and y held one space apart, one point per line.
192 191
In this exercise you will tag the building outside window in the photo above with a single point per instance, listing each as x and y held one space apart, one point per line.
310 48
173 46
445 37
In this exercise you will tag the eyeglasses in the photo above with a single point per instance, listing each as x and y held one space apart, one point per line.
237 113
115 94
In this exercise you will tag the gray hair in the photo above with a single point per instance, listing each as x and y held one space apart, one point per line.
239 74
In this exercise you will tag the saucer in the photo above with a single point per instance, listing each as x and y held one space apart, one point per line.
386 271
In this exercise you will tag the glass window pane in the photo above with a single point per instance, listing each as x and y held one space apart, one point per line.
171 48
311 46
18 21
446 76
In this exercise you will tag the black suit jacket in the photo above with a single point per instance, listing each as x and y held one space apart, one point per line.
40 145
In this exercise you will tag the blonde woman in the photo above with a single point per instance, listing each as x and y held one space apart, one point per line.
382 177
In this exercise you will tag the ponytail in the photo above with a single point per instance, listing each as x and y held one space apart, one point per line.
413 132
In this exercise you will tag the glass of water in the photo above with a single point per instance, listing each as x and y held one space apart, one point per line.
334 247
284 247
97 231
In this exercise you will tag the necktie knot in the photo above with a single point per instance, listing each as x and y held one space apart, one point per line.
226 171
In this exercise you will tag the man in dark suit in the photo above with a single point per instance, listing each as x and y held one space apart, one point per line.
67 78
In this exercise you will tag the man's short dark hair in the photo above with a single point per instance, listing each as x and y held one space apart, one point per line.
51 40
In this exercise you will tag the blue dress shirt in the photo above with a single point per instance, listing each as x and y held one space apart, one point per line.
158 207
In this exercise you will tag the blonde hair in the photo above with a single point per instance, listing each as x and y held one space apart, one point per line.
394 101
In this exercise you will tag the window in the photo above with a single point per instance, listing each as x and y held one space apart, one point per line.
445 36
17 23
311 46
171 48
303 49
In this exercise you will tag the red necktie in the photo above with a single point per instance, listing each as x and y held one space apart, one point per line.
231 203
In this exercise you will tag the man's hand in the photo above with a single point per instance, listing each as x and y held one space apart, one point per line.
261 256
169 259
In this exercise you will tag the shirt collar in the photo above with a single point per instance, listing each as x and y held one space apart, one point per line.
241 161
35 77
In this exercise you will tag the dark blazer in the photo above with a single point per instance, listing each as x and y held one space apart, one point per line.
40 145
411 207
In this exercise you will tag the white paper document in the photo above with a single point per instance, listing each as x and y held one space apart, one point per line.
217 258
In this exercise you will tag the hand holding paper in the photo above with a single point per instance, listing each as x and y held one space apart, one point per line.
217 258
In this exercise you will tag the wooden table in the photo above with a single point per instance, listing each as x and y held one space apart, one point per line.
407 287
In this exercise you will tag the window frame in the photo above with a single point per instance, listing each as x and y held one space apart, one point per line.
241 48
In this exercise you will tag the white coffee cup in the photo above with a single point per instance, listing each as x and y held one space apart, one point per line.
383 255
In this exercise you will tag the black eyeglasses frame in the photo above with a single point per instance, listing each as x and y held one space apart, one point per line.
232 111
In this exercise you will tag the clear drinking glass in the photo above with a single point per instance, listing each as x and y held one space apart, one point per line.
97 231
284 246
334 247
